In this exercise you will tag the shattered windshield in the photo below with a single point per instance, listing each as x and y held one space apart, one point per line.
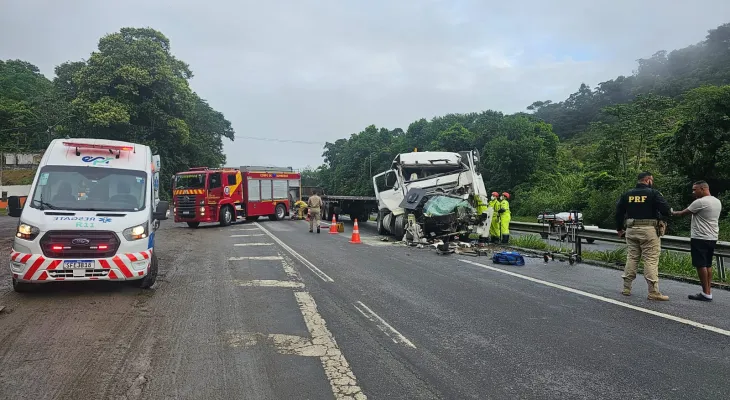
414 173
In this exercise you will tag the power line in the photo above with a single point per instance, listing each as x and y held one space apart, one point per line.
278 140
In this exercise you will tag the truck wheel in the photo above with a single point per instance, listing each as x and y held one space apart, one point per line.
226 216
193 224
381 227
590 241
149 280
21 287
279 212
400 225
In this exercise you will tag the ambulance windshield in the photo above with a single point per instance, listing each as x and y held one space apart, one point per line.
90 189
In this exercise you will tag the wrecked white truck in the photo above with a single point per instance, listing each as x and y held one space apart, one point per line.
430 195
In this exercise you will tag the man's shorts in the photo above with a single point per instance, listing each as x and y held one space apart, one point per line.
702 252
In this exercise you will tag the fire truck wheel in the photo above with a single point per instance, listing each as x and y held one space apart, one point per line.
193 224
149 280
226 216
279 212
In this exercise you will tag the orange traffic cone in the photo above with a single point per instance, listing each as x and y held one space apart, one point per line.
355 234
333 226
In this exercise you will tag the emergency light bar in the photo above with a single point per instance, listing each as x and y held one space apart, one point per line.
109 147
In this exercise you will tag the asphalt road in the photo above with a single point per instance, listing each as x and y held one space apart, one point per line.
269 311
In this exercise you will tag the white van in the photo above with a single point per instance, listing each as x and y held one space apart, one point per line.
91 214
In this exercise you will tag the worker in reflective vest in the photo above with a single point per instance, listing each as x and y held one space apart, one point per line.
494 226
504 216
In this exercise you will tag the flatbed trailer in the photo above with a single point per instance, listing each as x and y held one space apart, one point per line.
357 207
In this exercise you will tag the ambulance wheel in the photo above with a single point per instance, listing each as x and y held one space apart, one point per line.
149 280
21 287
193 224
226 216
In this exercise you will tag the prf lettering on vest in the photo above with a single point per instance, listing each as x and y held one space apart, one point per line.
637 199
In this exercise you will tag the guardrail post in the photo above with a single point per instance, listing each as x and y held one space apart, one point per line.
721 267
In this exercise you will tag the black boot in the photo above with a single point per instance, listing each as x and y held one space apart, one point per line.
317 229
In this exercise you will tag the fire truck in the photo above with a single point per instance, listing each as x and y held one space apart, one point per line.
225 195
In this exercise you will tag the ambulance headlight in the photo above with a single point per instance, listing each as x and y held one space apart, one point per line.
136 232
27 232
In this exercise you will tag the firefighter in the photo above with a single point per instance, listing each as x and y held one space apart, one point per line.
504 216
300 207
494 226
315 208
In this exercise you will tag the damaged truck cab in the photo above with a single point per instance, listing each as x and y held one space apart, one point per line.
431 194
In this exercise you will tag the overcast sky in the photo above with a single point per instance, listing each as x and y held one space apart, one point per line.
322 70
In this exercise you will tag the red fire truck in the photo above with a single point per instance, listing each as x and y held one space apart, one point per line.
226 195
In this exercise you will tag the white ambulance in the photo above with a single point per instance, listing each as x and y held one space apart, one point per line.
91 214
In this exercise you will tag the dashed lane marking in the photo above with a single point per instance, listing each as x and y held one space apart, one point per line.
341 378
605 299
296 255
269 283
389 331
267 258
255 234
253 244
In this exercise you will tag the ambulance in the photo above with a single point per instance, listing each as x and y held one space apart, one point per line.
91 214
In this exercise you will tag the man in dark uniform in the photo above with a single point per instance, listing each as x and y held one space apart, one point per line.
640 208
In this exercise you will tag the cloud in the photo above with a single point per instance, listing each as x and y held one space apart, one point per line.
321 70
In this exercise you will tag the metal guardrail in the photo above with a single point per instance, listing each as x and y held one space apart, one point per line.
674 243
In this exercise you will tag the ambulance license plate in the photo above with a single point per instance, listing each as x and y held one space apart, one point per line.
78 264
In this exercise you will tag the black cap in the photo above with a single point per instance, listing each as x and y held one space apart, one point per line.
643 175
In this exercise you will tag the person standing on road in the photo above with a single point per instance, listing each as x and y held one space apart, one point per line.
705 230
504 217
494 225
315 208
640 207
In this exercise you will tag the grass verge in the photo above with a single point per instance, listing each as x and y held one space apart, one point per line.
671 263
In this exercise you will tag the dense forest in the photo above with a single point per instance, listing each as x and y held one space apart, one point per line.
671 117
131 89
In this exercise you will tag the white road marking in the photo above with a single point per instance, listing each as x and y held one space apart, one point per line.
389 331
248 229
269 283
253 244
290 271
341 378
269 258
606 299
255 234
284 344
296 255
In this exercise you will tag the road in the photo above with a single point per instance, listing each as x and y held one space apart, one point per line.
269 311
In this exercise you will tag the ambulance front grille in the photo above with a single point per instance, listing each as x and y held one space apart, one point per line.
69 273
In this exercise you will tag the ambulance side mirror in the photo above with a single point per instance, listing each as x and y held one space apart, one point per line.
15 208
160 213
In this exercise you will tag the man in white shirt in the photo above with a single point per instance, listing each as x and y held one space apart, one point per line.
705 212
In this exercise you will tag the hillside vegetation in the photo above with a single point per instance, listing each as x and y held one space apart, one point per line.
132 89
671 117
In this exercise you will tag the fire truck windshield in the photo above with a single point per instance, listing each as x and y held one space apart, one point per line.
190 181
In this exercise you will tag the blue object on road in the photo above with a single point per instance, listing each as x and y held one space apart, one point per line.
508 257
